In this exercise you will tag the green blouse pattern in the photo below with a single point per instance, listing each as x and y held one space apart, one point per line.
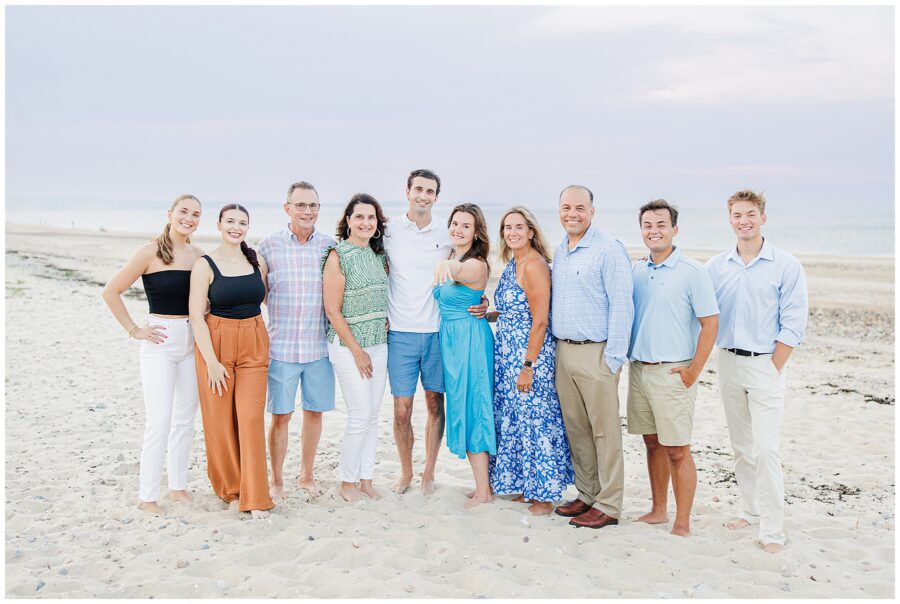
365 305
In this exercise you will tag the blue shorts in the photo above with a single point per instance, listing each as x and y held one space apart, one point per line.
411 355
316 381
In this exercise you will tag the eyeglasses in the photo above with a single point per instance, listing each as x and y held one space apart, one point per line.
306 206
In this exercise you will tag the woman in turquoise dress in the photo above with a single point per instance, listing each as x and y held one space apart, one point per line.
533 457
467 346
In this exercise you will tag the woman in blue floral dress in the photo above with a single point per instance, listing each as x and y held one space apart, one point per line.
533 457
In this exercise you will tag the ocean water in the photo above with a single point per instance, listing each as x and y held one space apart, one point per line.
848 231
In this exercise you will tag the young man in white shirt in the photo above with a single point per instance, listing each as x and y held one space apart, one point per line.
415 242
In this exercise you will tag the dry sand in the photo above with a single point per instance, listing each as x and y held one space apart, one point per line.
74 420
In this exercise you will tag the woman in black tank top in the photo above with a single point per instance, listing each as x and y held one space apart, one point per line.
167 349
233 363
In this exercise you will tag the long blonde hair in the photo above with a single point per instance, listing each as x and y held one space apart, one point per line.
537 242
164 248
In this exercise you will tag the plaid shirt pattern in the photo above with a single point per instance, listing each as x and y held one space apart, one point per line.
296 313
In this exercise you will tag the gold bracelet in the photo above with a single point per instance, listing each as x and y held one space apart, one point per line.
131 331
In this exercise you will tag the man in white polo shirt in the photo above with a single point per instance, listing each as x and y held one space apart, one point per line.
415 242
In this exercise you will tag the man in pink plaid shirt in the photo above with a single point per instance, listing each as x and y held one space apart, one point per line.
297 350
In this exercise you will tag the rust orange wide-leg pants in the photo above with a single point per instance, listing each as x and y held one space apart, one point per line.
233 424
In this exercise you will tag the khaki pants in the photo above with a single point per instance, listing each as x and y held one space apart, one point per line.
589 399
233 424
753 397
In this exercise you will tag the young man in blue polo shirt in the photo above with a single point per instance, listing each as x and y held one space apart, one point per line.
675 323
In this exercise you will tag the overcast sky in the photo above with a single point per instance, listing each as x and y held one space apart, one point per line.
507 104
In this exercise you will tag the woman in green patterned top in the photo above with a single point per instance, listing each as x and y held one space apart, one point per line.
355 288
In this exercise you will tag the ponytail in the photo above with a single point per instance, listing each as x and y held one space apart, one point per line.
250 254
164 249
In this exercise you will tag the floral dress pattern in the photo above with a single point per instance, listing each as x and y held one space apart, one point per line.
533 456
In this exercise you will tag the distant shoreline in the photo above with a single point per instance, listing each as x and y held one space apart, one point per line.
18 227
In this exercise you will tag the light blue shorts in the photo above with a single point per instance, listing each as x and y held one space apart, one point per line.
411 355
316 381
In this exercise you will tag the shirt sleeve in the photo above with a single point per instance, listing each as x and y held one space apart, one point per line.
703 294
616 270
793 305
265 251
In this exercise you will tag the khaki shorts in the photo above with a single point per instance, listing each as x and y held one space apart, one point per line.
659 403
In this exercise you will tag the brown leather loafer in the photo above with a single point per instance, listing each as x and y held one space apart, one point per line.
594 519
572 508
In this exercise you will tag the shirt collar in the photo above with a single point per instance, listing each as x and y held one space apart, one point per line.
585 240
293 237
671 261
410 224
766 252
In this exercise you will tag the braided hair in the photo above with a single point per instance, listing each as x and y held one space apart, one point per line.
248 251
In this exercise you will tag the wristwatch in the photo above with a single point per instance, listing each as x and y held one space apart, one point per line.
528 365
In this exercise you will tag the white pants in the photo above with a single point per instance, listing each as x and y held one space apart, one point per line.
753 397
363 399
169 379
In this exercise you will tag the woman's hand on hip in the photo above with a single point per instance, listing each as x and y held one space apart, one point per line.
151 333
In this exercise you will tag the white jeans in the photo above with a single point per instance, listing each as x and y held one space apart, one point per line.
363 399
753 397
169 379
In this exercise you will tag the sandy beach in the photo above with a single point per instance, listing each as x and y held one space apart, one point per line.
74 420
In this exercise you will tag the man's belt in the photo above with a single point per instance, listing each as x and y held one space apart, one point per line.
578 342
662 362
745 353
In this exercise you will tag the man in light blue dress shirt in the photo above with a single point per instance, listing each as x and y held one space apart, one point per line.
675 322
762 296
592 315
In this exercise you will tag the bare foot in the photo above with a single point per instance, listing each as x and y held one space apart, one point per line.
773 548
519 499
471 494
310 486
276 491
368 489
402 484
681 531
652 517
180 496
427 486
259 514
152 507
540 508
737 524
471 503
350 492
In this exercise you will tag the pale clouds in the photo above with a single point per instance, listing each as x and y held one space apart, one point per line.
507 103
716 55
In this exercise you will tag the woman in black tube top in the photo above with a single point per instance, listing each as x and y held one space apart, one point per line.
167 349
